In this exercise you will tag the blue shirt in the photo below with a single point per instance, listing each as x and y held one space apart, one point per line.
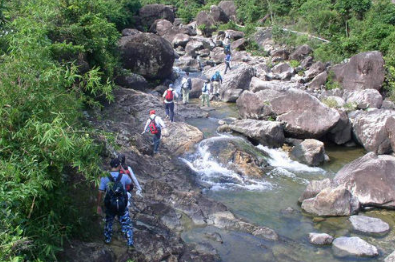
125 180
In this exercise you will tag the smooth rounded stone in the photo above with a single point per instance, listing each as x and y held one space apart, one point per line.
310 152
221 122
369 225
320 239
390 258
353 246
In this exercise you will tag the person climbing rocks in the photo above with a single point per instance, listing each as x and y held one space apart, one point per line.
129 172
156 126
115 201
226 44
169 96
186 87
206 93
216 79
227 63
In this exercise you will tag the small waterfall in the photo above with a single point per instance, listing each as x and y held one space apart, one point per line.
218 177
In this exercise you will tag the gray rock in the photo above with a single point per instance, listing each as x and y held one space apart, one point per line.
218 14
231 95
391 257
332 202
214 236
197 85
187 137
318 81
341 132
258 85
315 69
234 35
279 55
193 46
371 179
310 152
180 40
320 239
133 81
300 53
314 187
369 225
153 60
130 31
205 22
282 71
353 246
267 133
388 104
364 71
239 44
367 98
229 9
373 131
149 13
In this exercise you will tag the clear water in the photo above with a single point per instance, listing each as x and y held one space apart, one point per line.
267 201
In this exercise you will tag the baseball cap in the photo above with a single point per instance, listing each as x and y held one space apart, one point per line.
152 112
115 162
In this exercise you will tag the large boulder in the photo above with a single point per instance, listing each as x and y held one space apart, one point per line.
315 187
231 95
238 78
133 81
332 202
367 98
318 81
369 225
206 23
315 70
258 85
310 152
300 53
282 71
187 137
364 71
391 257
371 179
304 115
197 85
148 55
218 14
353 246
239 44
180 40
342 131
374 130
149 13
229 9
267 133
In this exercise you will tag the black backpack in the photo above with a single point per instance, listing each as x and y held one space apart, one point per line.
189 84
116 198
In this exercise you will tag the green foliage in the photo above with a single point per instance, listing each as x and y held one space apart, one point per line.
331 83
294 63
45 147
330 102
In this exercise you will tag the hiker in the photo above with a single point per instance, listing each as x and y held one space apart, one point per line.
227 63
156 125
186 86
129 172
226 44
115 202
206 93
217 80
168 96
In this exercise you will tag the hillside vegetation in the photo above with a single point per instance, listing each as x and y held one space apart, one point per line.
59 57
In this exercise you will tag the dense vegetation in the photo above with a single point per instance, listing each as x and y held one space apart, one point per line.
45 147
59 57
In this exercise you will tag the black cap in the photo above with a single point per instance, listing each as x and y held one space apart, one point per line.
115 162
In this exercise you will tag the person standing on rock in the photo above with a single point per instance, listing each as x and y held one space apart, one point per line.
169 96
206 93
217 80
186 86
114 186
156 125
226 44
227 63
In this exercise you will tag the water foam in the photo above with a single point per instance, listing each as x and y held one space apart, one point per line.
279 158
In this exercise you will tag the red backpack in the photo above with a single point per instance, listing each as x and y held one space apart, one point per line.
152 126
169 95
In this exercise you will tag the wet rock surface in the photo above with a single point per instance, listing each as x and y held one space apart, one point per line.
320 239
369 225
353 246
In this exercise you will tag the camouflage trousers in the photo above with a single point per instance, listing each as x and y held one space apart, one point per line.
126 224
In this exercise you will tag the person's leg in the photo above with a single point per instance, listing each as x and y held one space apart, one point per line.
187 95
156 142
171 109
208 100
127 226
184 98
226 67
108 227
167 109
202 99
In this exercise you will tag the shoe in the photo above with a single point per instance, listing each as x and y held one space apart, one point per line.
107 240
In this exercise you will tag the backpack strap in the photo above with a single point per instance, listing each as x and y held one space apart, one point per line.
119 177
111 178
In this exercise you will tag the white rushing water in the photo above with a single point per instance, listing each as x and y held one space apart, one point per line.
219 177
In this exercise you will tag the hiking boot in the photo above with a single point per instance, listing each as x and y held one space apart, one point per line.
107 240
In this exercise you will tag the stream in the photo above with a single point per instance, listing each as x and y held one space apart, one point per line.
271 200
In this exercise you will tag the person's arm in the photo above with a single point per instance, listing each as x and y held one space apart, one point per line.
164 94
135 181
160 122
146 126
